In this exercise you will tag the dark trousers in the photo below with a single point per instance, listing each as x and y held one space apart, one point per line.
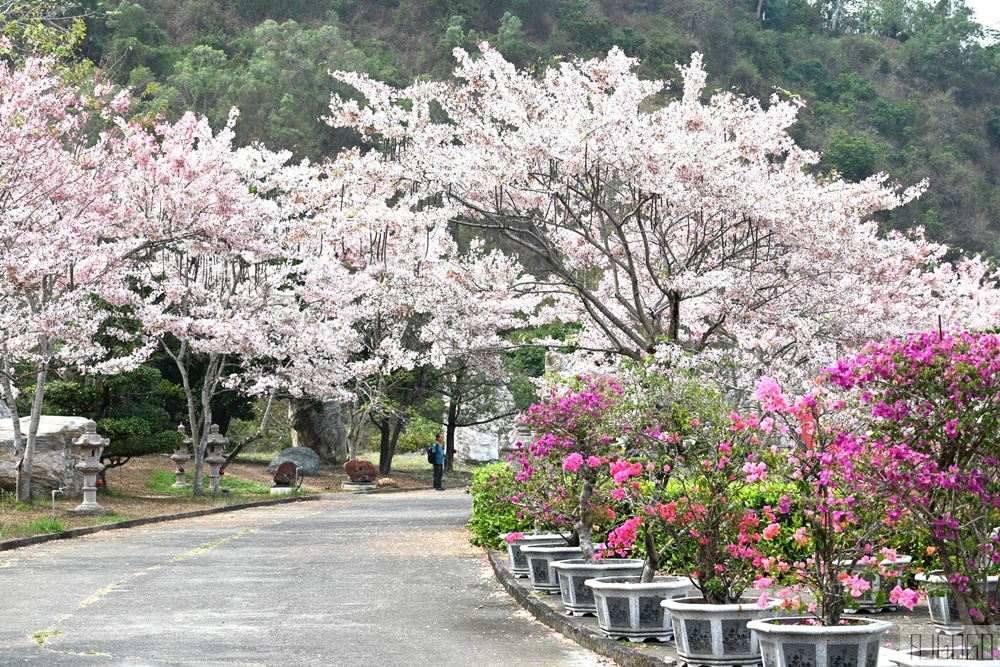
438 474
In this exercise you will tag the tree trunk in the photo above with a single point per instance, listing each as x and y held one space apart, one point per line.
450 428
8 391
674 331
652 563
390 427
836 15
583 526
24 469
760 9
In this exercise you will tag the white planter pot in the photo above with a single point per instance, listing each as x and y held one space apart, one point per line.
868 602
577 598
944 611
715 634
787 642
544 578
628 609
518 563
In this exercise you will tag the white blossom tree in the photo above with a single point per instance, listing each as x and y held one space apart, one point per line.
698 226
55 209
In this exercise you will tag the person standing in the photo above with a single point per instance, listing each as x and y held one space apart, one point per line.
438 450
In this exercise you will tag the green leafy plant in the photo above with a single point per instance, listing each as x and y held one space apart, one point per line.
492 512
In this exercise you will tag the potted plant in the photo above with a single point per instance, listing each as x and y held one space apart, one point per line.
685 483
825 546
930 450
564 473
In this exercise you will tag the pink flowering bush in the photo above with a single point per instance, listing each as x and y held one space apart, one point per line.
930 451
563 472
824 534
686 478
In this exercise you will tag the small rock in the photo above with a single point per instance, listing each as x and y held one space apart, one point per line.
303 457
387 483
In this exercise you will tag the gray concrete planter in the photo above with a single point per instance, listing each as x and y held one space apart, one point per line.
792 642
944 611
629 609
518 563
577 598
544 578
716 634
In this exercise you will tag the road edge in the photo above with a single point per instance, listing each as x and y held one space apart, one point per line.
564 625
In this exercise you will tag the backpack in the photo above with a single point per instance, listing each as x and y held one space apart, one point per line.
431 456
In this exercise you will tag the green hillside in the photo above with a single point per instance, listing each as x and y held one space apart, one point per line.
904 86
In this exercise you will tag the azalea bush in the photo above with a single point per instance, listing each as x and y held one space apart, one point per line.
930 451
686 477
819 554
564 471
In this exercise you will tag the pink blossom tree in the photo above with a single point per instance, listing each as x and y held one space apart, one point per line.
695 226
56 208
208 264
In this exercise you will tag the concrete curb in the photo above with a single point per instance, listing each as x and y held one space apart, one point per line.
132 523
609 648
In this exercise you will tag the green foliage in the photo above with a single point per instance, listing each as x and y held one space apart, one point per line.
42 526
138 411
492 513
853 156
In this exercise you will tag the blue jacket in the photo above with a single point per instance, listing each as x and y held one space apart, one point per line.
438 454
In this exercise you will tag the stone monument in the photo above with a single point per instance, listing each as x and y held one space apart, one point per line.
215 456
54 464
181 456
89 446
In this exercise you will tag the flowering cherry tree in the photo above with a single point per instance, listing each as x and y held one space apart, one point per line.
697 224
56 208
207 261
385 289
931 407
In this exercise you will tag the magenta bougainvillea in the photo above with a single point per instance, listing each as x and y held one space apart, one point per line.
930 450
826 534
564 468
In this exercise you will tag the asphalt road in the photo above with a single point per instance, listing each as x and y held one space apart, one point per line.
374 580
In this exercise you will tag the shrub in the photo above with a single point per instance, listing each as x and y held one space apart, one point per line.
492 513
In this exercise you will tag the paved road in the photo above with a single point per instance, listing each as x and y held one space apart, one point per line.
376 580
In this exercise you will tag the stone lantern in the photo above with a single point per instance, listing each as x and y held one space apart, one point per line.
215 456
89 446
180 456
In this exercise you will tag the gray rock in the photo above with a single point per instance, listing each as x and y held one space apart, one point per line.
303 457
4 410
54 463
319 427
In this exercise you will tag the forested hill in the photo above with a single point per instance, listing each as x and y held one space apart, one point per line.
904 86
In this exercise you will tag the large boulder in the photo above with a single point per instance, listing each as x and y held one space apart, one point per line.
303 457
319 427
54 463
